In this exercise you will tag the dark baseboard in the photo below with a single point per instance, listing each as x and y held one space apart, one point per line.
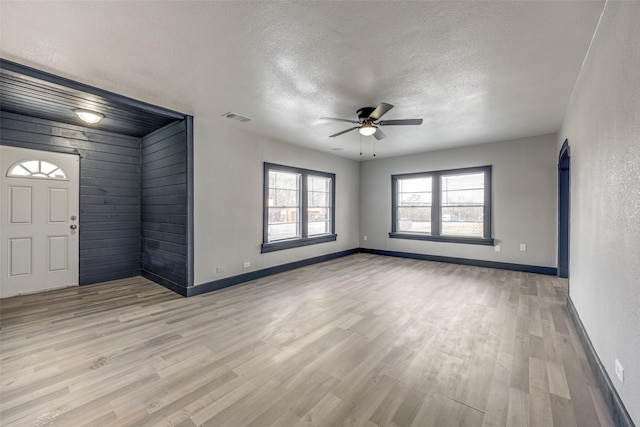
549 271
179 289
241 278
621 417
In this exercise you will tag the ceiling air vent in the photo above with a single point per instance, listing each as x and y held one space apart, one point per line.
237 117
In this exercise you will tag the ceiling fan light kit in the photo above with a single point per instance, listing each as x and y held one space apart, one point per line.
367 129
368 122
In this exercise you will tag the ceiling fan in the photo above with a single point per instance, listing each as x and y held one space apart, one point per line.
369 121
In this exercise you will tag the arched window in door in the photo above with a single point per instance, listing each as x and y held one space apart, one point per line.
36 169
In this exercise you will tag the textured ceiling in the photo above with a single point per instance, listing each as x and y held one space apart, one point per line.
474 71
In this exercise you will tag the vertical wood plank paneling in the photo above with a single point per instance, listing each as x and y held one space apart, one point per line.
165 206
109 190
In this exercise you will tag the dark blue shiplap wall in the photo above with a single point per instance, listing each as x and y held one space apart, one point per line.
166 207
109 190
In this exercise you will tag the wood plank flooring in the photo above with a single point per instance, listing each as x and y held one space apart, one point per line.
363 340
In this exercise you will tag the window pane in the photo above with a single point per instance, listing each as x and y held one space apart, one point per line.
32 166
319 183
413 185
414 199
462 197
318 205
318 199
463 205
57 173
414 192
318 214
319 221
284 206
463 189
283 197
287 180
19 171
319 227
288 215
414 220
37 169
467 181
46 167
319 191
463 221
283 231
283 223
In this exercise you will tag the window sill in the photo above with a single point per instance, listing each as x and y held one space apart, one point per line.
295 243
448 239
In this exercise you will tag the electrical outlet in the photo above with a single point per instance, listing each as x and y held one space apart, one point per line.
246 264
220 270
365 237
619 371
497 248
523 247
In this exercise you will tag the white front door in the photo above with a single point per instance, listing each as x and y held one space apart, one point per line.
38 220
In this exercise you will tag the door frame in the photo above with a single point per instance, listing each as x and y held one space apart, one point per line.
564 209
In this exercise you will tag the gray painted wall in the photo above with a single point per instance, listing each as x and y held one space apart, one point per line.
524 200
164 205
228 163
602 125
109 191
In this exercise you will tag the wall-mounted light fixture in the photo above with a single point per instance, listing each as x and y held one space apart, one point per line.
88 116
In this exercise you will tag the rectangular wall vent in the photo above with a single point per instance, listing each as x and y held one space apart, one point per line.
237 117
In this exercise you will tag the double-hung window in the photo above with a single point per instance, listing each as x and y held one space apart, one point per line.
448 206
299 207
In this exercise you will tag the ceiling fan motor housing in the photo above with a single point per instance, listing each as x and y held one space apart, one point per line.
364 113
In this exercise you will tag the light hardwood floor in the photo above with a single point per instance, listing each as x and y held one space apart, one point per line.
363 340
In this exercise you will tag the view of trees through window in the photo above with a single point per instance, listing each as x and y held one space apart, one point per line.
414 205
284 205
462 201
455 199
319 205
292 194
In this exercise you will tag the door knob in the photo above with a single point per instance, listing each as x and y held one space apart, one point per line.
73 226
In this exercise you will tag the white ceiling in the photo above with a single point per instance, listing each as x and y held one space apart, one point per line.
474 71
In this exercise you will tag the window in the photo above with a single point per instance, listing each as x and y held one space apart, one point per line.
36 169
299 207
284 205
447 206
319 215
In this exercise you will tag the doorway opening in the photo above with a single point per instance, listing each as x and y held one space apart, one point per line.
564 209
